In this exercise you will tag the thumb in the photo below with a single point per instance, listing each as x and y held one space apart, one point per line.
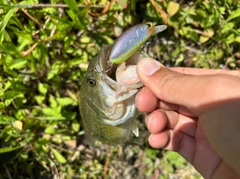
171 86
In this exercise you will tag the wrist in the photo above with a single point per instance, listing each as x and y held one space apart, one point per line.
224 171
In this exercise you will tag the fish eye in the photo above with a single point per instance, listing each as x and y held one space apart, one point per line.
149 25
91 82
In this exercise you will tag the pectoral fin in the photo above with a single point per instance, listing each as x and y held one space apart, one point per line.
134 127
90 138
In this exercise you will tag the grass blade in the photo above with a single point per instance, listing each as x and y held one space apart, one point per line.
6 19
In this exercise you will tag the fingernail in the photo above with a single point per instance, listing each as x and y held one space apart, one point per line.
149 119
149 66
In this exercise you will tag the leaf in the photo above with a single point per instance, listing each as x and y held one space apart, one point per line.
7 85
232 64
10 95
70 115
233 15
6 19
6 6
47 118
51 74
53 102
5 36
85 40
76 126
72 95
17 64
208 34
72 5
172 8
39 99
175 159
230 39
50 112
18 124
228 26
8 149
6 119
50 130
59 156
10 48
108 39
208 22
179 60
42 88
24 35
56 67
237 39
65 101
189 33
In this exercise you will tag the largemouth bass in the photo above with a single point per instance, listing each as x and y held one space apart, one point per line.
107 97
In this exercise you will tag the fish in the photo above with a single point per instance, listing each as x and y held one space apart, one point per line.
107 96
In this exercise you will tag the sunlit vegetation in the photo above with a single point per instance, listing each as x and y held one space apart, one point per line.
45 48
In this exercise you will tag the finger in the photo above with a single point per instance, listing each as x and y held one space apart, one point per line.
190 91
176 141
174 107
158 120
202 71
146 101
197 152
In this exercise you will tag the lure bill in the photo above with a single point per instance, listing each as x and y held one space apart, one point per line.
132 40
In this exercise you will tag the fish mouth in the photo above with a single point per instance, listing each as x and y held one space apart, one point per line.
119 101
113 71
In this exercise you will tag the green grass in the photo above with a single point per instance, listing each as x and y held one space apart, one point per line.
44 52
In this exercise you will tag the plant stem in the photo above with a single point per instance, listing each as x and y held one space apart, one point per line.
29 6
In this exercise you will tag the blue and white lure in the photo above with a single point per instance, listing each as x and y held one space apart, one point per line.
132 40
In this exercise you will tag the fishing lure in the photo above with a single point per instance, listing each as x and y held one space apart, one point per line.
132 40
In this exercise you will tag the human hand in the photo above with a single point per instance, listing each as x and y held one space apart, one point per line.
195 112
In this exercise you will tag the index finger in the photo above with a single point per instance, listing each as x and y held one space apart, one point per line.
191 91
202 71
